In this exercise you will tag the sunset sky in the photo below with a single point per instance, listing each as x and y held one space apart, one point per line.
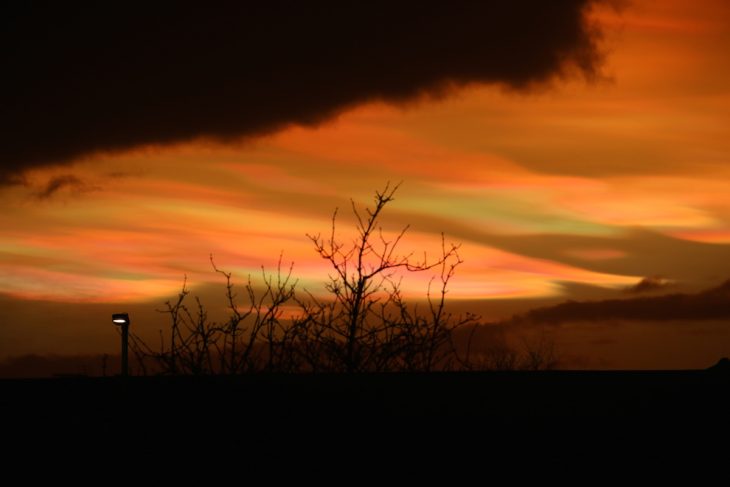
569 184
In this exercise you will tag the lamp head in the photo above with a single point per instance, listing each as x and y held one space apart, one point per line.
120 319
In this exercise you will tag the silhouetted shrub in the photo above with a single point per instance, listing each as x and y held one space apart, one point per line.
363 324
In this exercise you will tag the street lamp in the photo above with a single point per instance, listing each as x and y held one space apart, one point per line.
122 321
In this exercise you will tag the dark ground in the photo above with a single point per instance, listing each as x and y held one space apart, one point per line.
559 415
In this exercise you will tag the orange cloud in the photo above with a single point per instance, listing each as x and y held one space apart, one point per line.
645 150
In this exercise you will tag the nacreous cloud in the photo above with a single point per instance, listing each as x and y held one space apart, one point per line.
108 76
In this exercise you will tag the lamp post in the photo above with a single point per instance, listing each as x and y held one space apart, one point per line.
122 320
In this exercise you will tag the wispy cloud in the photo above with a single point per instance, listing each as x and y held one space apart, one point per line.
65 182
650 284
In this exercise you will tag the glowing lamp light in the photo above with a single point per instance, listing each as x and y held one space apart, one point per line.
120 318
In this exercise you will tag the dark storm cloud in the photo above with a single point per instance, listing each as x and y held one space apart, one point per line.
712 304
108 76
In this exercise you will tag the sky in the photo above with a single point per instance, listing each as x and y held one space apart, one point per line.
574 149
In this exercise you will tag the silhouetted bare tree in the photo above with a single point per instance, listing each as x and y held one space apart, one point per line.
189 347
361 324
199 346
365 324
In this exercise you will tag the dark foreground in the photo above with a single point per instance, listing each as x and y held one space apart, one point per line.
273 415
